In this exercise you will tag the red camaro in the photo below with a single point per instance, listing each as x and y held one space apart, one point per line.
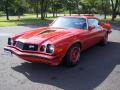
61 42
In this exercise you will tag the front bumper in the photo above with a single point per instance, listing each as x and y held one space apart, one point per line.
33 57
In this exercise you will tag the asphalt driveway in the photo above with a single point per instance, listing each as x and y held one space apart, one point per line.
99 68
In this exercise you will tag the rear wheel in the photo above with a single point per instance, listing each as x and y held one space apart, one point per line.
73 55
105 40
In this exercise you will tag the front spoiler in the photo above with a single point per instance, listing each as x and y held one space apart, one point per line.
28 55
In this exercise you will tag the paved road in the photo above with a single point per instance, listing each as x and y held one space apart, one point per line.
99 68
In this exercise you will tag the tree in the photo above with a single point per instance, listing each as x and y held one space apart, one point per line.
35 5
103 7
6 4
42 9
70 5
77 2
19 6
89 5
12 7
44 6
114 4
39 6
56 5
1 5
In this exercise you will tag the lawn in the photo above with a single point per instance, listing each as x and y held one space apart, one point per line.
30 19
27 19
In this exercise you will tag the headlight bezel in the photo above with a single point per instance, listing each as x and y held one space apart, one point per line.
50 48
47 48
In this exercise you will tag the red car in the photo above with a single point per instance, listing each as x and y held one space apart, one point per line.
60 42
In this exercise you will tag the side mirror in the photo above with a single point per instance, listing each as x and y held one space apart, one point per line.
90 28
99 23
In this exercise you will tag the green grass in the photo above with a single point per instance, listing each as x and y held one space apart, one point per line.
27 19
30 19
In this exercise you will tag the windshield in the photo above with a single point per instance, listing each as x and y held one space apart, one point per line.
70 22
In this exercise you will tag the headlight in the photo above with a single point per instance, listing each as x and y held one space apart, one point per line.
50 48
10 41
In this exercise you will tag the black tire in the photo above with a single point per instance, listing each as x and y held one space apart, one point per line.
105 40
67 61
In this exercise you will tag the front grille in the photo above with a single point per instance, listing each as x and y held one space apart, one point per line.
25 46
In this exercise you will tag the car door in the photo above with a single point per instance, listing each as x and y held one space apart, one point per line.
92 36
97 32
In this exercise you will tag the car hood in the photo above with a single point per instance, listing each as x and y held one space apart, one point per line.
43 34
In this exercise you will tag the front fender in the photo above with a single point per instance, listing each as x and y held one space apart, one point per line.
14 37
63 45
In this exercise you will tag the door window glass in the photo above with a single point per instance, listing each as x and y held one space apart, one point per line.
93 22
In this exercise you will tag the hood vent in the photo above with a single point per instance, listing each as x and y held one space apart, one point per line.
45 32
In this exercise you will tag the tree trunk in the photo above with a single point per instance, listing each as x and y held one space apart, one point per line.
70 12
114 8
78 7
105 15
37 11
46 8
6 10
53 13
18 13
46 15
64 13
113 15
37 15
42 10
89 11
53 10
56 12
18 16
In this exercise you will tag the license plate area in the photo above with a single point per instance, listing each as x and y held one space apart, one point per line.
9 53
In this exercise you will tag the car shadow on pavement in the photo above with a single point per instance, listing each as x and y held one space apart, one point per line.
94 67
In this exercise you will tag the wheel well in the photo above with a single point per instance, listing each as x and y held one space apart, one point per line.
79 43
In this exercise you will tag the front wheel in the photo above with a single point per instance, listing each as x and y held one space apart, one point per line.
73 55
